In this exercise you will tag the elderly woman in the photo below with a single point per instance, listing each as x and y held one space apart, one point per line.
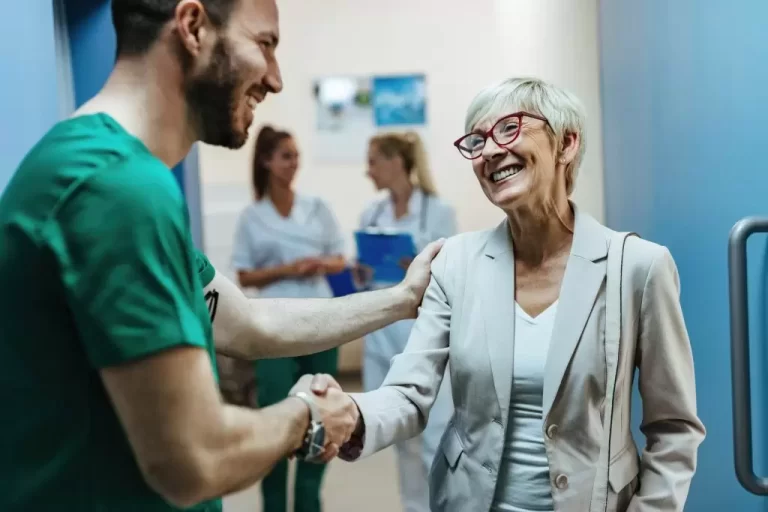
542 352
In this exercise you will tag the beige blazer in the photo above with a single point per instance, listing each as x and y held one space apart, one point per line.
468 317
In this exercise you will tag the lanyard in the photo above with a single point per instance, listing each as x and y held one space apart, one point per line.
422 217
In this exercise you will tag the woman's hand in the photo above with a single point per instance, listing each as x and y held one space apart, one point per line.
306 267
333 264
362 274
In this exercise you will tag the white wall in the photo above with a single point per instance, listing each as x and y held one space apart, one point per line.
461 46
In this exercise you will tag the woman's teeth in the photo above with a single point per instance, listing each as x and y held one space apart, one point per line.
506 173
252 102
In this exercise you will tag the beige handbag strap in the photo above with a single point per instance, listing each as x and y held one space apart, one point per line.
612 346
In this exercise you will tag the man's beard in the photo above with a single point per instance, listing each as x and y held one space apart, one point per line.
212 102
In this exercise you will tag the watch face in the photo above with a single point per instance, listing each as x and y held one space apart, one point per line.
316 440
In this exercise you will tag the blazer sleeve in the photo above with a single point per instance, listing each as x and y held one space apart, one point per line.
670 423
399 409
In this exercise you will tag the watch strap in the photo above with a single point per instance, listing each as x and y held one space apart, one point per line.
313 443
311 404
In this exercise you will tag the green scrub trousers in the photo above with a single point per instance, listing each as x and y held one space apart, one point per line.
274 380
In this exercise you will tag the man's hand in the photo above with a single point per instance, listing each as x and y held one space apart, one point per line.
318 384
340 415
337 410
419 273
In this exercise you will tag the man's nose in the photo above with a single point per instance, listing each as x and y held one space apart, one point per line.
274 79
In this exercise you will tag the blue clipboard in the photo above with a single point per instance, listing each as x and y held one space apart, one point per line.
383 252
342 283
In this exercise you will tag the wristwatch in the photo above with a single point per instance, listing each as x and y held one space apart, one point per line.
314 440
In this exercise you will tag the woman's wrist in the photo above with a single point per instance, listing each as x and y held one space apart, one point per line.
287 271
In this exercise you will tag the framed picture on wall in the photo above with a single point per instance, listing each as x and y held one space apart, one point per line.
400 100
350 109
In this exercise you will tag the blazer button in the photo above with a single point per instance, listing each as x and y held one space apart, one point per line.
552 431
561 482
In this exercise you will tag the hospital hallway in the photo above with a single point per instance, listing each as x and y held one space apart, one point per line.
370 484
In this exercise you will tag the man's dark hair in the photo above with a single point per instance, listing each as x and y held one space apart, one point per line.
138 22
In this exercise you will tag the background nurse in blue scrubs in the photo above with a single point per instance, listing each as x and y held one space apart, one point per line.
285 245
398 164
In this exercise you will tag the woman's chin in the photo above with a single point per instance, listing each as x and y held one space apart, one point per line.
507 199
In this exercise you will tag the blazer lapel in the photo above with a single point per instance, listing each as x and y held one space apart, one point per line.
584 276
497 279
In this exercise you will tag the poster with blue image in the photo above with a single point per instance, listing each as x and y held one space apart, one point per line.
400 100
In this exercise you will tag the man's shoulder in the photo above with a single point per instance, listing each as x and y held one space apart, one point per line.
78 167
84 160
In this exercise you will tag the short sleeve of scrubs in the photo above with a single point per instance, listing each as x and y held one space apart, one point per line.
128 263
205 271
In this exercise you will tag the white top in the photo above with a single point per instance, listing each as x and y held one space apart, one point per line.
523 483
264 239
429 218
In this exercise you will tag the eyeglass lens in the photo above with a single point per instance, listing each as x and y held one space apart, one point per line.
503 133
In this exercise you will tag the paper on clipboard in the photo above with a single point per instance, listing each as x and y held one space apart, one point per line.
383 250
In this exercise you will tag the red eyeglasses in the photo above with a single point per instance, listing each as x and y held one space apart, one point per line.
503 132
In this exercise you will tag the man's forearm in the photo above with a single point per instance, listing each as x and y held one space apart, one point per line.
189 445
293 327
271 328
252 442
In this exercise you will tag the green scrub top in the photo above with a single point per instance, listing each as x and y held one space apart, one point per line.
97 268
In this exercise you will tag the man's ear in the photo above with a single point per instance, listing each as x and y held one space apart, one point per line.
192 25
570 148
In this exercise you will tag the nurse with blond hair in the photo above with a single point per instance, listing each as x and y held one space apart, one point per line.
397 164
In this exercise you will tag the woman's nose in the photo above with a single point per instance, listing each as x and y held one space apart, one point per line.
492 151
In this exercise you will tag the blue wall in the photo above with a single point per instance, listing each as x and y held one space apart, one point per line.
92 43
28 89
685 103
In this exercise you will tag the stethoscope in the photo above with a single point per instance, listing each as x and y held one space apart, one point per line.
422 217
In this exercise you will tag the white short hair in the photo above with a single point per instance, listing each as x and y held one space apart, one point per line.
563 110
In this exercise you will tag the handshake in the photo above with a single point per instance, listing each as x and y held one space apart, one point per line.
338 413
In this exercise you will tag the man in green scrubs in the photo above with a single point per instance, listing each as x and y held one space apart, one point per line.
107 374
